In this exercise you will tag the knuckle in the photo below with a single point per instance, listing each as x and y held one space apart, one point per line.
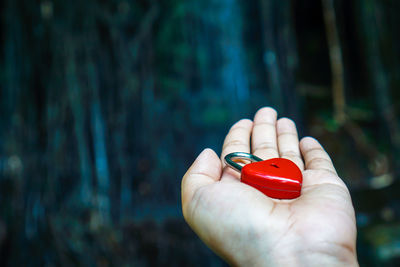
265 150
264 124
291 134
234 143
318 161
265 145
291 153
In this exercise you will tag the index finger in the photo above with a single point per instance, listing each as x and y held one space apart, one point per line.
238 138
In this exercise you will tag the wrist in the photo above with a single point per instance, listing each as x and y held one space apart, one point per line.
310 259
302 257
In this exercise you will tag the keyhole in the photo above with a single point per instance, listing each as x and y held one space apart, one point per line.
274 165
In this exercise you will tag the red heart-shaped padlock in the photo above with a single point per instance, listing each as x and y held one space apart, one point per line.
277 177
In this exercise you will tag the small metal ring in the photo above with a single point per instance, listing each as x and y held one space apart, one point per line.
239 155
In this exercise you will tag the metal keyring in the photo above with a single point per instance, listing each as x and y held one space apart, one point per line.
239 155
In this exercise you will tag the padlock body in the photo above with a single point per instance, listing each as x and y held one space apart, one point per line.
277 178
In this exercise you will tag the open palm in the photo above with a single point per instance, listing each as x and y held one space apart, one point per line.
245 227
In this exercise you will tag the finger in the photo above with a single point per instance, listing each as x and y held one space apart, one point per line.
205 170
315 156
288 141
264 134
238 138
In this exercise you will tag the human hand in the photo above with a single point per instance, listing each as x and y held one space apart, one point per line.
247 228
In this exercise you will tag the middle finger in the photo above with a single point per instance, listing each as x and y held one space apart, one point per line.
264 143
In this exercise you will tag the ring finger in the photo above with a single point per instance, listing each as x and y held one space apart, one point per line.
288 141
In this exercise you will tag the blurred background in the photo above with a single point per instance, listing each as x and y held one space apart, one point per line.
105 104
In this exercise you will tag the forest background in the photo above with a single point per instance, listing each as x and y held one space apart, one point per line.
104 105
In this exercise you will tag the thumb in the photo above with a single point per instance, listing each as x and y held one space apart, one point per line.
205 170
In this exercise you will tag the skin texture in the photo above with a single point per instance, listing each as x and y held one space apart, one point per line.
247 228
